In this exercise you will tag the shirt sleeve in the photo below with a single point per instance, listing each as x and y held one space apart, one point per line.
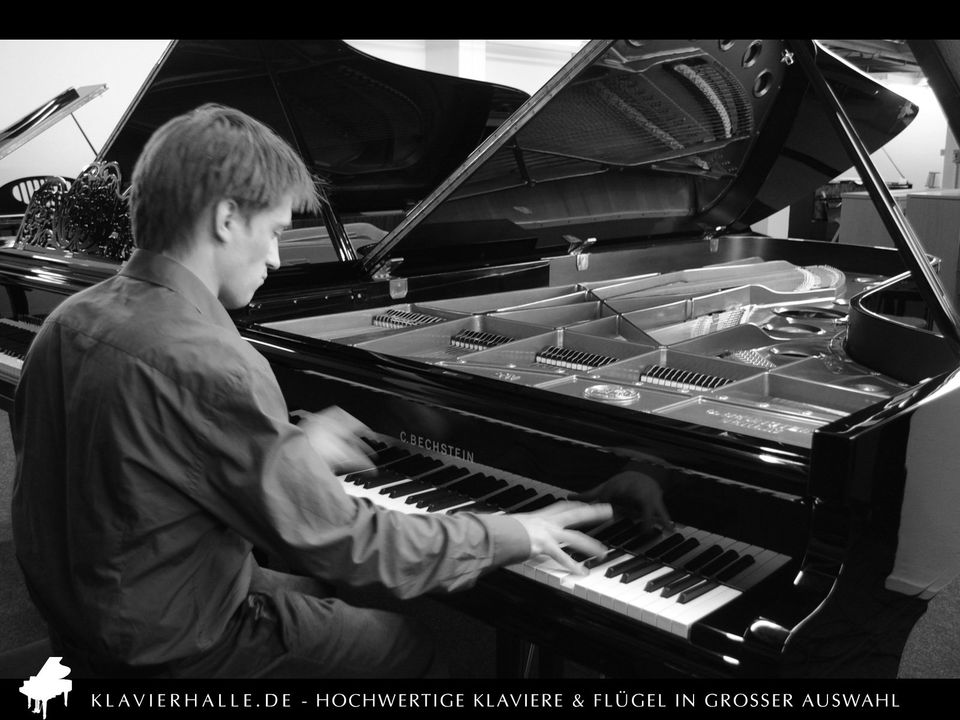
263 478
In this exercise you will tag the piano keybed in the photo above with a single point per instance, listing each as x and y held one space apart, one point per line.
664 579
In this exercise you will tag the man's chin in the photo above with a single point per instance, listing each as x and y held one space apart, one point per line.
235 303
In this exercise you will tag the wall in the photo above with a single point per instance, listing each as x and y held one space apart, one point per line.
34 71
918 150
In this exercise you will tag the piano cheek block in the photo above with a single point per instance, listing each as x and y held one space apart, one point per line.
767 633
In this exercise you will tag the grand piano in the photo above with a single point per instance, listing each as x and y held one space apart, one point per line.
584 292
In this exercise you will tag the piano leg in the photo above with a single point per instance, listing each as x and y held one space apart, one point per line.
517 658
511 654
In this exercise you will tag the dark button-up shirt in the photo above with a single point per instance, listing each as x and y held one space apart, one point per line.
154 450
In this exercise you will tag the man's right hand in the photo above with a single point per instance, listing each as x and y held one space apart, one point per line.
337 437
550 529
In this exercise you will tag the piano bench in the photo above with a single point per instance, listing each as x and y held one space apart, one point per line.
24 661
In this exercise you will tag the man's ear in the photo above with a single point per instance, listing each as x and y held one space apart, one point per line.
226 215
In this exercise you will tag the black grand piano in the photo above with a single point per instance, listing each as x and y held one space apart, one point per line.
584 290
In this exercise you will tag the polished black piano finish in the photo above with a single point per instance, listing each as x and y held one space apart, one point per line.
767 380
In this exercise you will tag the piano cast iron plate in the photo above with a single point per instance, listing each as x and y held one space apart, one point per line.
755 422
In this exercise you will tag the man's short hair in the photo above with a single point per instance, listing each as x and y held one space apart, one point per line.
210 154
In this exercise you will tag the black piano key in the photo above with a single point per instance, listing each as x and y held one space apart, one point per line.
681 584
638 543
719 563
383 460
485 485
674 554
703 558
605 534
402 470
608 556
408 488
733 569
696 591
664 580
626 536
476 485
447 489
540 502
480 507
445 503
665 545
640 572
426 499
360 475
444 475
629 565
506 499
384 477
434 479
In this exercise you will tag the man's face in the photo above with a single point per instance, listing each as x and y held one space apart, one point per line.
252 251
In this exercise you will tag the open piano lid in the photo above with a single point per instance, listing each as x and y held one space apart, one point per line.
381 135
45 116
645 139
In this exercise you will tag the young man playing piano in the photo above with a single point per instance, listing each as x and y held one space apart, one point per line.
155 451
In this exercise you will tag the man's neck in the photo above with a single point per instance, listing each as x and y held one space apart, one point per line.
198 259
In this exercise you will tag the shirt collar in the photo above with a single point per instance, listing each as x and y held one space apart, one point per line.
161 270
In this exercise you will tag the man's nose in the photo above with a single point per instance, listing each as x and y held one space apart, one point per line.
273 257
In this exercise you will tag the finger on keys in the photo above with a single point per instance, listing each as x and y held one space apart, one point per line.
581 543
655 515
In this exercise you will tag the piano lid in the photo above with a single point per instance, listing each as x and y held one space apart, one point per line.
381 134
45 116
637 140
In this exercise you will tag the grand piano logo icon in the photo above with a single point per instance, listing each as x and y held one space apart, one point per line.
46 684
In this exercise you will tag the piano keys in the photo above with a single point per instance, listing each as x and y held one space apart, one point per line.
668 579
15 339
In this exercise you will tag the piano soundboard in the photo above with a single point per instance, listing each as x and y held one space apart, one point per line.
667 580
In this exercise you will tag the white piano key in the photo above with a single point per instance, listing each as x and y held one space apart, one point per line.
630 598
682 616
586 586
10 367
547 571
766 562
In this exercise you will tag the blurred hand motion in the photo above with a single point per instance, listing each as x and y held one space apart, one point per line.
338 438
632 493
550 530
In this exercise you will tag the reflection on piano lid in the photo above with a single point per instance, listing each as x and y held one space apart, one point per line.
47 684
